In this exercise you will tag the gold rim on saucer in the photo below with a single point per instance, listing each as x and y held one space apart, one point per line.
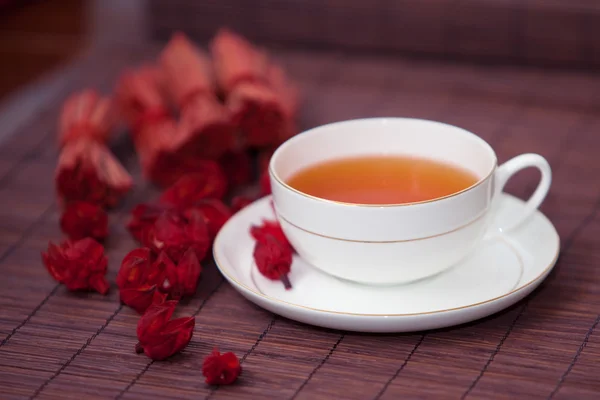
266 297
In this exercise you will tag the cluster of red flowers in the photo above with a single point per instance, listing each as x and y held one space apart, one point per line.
89 179
194 120
191 112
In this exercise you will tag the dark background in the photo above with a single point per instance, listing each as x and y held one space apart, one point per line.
36 36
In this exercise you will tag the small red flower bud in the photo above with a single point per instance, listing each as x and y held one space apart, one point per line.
273 259
139 278
79 265
159 336
221 369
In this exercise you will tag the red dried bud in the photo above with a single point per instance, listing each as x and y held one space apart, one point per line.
82 219
191 188
260 96
88 171
175 234
136 269
182 279
159 336
273 259
214 212
79 265
269 228
221 369
204 128
239 202
138 279
138 298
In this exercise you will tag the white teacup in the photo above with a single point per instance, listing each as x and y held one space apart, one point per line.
393 244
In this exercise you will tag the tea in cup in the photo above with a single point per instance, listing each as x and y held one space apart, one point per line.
387 201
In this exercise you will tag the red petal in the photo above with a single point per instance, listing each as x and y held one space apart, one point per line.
100 284
54 261
188 273
139 298
164 273
135 268
167 344
221 369
154 319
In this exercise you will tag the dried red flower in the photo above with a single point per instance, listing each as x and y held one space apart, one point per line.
214 212
79 265
221 369
205 128
239 202
262 100
174 234
88 171
142 276
159 336
182 279
81 219
193 187
267 229
273 259
138 279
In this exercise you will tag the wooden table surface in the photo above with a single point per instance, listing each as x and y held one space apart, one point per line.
55 344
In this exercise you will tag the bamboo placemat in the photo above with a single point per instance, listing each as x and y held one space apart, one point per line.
54 344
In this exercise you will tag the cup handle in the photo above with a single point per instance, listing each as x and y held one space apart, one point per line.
505 171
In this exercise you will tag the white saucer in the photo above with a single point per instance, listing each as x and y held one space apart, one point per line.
499 273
